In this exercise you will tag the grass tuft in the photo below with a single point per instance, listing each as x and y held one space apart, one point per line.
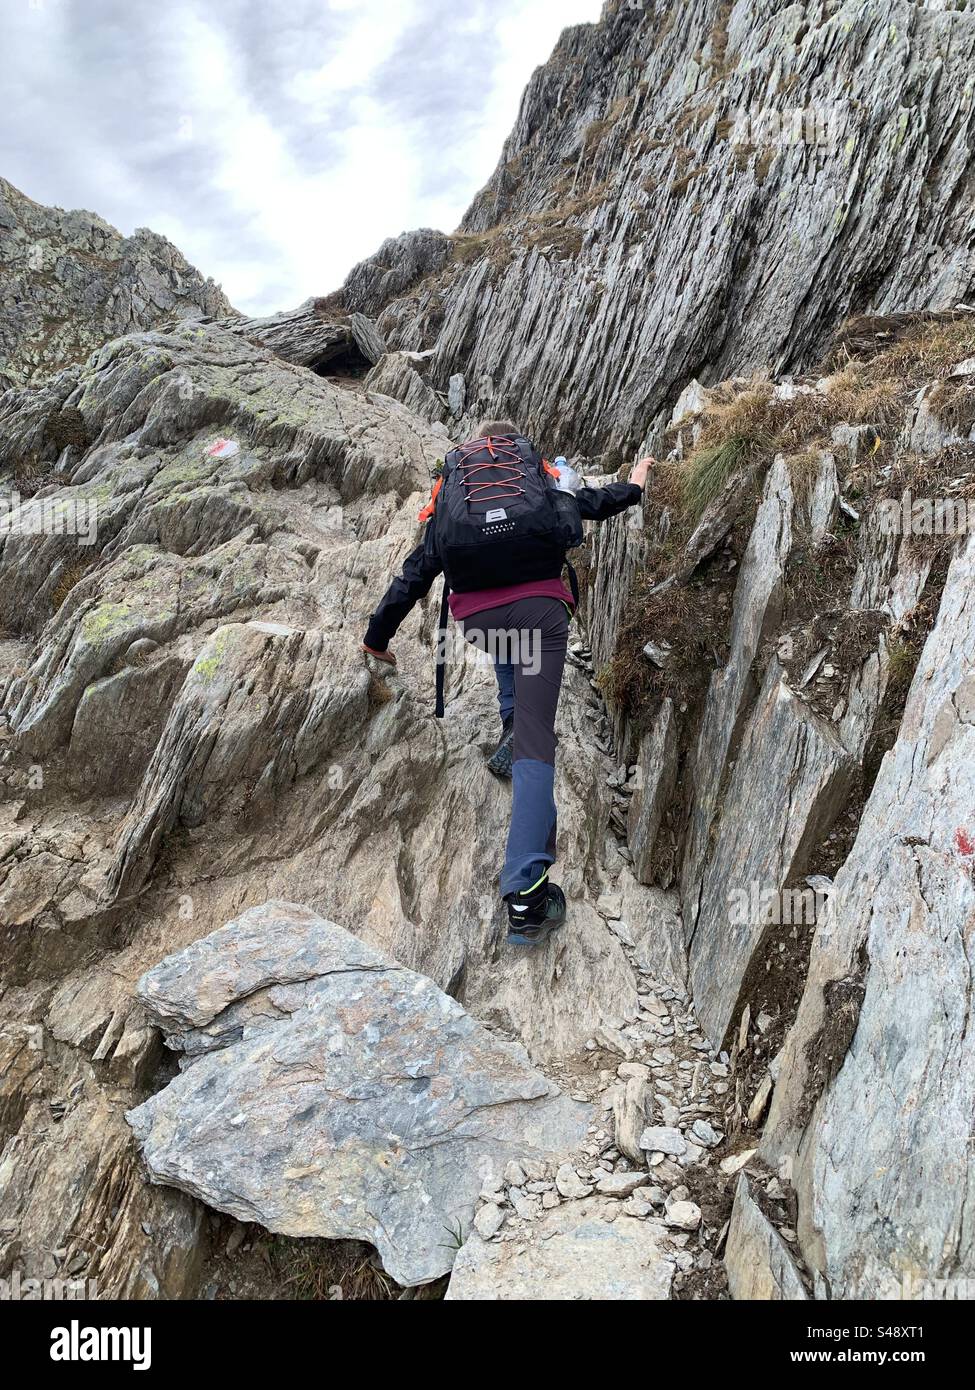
709 468
902 657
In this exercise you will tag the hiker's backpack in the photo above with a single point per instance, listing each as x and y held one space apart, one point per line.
499 519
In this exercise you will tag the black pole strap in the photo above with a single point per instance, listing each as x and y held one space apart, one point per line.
573 583
442 650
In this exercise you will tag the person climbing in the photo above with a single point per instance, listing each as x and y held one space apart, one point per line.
499 524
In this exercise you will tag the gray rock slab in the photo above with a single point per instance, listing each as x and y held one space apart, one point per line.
756 1257
574 1255
376 1111
876 1084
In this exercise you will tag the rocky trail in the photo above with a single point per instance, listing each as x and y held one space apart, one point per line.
536 1231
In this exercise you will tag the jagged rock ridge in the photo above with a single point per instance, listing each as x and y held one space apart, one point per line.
191 688
70 281
695 190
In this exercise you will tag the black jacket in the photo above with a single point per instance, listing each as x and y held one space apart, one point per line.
423 564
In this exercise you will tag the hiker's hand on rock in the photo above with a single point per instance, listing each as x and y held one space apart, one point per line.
386 656
640 471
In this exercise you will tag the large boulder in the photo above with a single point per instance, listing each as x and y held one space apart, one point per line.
315 336
330 1092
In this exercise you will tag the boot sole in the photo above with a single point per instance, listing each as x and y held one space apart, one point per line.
500 761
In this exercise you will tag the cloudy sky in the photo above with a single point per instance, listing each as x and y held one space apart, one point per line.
276 142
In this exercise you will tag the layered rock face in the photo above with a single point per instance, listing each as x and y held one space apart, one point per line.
70 281
885 1130
691 191
825 902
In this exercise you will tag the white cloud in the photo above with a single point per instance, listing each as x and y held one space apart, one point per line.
277 146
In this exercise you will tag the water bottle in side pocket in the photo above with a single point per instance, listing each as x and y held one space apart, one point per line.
566 487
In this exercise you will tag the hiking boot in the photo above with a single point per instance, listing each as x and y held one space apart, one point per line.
500 760
533 916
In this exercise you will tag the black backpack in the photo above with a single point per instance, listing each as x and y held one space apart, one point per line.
499 519
496 521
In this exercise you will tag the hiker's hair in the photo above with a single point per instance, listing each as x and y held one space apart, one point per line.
496 427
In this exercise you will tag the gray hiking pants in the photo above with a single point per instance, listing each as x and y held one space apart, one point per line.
531 635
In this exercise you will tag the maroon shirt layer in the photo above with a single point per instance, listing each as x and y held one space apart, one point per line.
464 605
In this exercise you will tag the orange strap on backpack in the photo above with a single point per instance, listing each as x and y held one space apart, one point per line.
428 510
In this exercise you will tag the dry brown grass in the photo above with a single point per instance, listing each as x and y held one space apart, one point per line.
593 134
693 117
764 163
553 226
620 108
71 575
954 405
29 474
745 426
330 307
911 348
323 1270
680 185
565 241
749 425
493 245
379 693
736 433
740 156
